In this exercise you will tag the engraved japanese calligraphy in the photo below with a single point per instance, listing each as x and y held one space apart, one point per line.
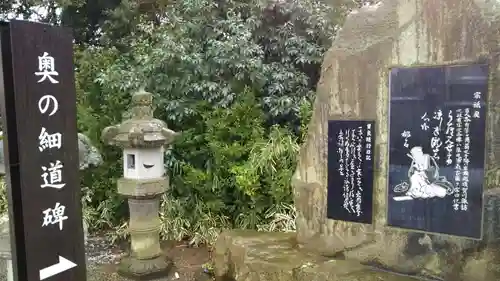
48 102
436 167
54 216
52 175
47 141
350 170
46 68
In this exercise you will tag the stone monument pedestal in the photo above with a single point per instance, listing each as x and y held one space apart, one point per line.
272 256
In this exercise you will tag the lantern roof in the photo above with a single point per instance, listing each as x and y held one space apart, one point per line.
142 129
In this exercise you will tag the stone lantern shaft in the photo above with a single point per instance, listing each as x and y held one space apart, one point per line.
142 138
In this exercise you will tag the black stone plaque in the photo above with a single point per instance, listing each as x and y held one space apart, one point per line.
350 170
38 101
437 149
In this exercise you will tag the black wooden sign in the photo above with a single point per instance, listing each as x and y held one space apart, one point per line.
350 170
39 114
437 149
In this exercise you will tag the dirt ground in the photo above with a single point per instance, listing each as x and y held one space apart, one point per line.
103 260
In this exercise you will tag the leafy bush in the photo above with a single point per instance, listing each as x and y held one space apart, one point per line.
241 99
99 107
3 197
236 77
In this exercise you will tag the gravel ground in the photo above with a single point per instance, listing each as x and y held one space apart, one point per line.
99 251
103 258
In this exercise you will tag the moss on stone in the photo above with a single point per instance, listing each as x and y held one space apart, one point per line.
256 256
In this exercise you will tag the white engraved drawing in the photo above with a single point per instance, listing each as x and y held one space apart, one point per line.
424 180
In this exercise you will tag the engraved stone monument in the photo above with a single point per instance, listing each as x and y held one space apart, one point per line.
418 68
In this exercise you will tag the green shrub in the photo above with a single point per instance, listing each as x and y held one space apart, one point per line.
237 84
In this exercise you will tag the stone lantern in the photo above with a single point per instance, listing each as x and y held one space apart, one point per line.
142 138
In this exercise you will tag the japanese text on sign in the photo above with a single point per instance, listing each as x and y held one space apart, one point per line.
52 173
350 143
462 152
368 142
350 170
46 68
456 135
436 168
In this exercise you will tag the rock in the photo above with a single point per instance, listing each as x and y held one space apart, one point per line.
88 154
353 85
271 256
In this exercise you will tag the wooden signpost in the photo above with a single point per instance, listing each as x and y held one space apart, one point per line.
38 100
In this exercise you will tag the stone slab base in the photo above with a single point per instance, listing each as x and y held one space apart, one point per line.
145 269
256 256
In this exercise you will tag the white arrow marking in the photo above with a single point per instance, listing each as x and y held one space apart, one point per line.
57 268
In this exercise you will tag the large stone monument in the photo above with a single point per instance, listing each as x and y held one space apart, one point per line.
391 61
143 138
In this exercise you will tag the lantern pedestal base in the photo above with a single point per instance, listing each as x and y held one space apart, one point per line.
137 269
